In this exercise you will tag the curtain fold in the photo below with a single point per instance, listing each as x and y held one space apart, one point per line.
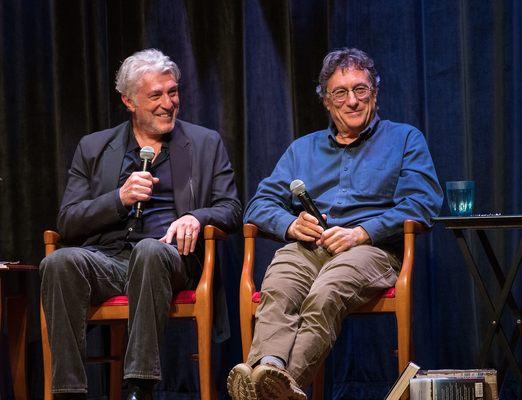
249 70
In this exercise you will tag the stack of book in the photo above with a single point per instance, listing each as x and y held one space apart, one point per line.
449 384
445 384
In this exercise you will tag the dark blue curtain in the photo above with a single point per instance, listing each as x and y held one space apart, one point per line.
249 70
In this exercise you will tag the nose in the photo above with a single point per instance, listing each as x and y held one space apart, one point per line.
351 100
166 101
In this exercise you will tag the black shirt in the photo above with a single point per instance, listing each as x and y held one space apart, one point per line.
158 212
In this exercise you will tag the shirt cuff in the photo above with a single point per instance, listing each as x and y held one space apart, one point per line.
123 211
283 225
373 228
200 215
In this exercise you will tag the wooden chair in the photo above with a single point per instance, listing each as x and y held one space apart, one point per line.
396 300
115 311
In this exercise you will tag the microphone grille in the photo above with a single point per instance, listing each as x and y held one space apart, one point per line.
147 153
297 187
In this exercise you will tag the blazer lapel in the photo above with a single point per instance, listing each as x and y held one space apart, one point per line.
181 165
112 159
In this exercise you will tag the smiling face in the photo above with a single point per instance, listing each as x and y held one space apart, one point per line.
351 116
155 104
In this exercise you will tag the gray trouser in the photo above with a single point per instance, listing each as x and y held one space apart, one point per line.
306 295
74 278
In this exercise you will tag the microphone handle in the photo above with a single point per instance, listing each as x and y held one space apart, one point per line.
139 204
311 208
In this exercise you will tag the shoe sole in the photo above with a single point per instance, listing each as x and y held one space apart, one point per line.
240 385
273 384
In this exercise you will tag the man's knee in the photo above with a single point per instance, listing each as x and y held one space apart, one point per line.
62 263
324 301
151 253
154 248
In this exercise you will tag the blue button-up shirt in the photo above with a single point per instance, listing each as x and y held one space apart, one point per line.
383 178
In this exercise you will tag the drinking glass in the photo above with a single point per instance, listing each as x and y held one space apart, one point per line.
461 197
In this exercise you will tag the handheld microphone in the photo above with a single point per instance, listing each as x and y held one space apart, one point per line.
299 190
146 155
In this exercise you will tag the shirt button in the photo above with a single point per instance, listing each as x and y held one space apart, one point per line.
344 190
339 202
346 168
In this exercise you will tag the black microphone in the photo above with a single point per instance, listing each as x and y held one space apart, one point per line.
146 155
299 190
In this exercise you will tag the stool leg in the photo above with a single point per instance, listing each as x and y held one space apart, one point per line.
404 342
204 328
403 336
46 353
247 326
116 372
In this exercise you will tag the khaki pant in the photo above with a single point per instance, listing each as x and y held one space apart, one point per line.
305 296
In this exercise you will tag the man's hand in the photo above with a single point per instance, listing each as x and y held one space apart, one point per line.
338 239
186 230
137 187
305 228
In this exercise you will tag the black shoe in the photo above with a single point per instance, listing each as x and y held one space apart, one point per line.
139 393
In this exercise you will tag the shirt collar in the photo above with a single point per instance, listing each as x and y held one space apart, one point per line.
364 135
132 144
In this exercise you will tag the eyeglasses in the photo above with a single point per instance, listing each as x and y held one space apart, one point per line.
361 92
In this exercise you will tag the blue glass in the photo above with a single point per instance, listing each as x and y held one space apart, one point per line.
461 197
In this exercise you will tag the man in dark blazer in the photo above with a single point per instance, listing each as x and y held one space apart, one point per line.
190 184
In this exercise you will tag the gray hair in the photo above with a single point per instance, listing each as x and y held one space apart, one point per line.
139 64
346 58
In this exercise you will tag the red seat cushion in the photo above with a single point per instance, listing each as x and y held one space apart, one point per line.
116 301
256 297
388 293
183 297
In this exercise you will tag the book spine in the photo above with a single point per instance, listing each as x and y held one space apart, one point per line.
489 377
457 389
420 389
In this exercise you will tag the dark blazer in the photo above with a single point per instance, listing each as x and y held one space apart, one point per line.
203 182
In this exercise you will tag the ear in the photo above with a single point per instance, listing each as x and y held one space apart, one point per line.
326 103
129 103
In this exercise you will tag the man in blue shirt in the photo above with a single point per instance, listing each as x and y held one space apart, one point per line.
366 176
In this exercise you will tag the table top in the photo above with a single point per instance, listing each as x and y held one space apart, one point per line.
6 266
481 222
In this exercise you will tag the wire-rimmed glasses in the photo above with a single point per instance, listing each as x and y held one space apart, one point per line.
361 92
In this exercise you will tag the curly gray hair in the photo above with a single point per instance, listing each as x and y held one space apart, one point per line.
140 63
346 58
